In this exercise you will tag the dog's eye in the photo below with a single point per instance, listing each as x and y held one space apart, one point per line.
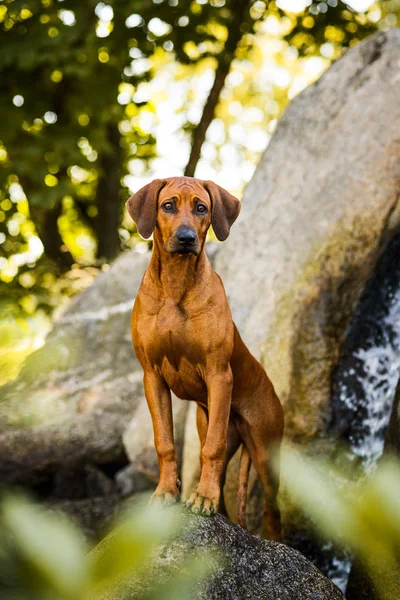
168 207
201 209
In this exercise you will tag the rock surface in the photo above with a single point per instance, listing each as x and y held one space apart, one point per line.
254 569
92 515
75 396
79 399
322 204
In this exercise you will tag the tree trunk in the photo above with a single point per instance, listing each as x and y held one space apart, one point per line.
108 201
208 114
235 34
46 223
46 218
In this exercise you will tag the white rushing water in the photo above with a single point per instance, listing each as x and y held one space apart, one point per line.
367 380
340 572
381 366
370 399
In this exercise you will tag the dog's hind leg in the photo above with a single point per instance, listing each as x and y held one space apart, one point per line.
202 426
263 444
233 443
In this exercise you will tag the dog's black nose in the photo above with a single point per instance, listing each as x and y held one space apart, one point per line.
185 235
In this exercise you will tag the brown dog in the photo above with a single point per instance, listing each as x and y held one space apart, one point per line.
186 341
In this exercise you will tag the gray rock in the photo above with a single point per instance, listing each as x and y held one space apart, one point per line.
91 515
253 569
130 481
322 204
79 399
73 398
85 482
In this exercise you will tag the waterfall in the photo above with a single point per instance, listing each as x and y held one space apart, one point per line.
365 380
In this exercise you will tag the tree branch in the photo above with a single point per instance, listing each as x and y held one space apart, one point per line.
46 223
108 201
224 61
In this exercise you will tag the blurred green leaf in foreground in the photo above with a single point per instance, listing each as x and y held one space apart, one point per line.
43 556
358 513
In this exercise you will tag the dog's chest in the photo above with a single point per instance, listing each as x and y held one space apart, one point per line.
174 333
177 351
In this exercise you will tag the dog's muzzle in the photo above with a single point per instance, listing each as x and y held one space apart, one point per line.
186 239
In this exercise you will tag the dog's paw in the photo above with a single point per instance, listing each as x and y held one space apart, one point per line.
163 497
202 504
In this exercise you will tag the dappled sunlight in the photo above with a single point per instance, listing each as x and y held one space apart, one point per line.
19 337
288 111
151 81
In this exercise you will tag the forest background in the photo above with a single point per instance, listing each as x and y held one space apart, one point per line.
97 99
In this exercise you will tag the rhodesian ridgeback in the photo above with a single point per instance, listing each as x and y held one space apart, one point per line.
186 341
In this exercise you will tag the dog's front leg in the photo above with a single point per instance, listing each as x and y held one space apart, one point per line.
205 499
158 398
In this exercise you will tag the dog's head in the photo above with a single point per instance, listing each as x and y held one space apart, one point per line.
182 209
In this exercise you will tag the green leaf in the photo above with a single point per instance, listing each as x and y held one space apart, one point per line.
51 550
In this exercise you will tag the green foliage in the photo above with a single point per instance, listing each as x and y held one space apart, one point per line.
43 555
358 513
20 335
49 552
74 97
86 88
331 22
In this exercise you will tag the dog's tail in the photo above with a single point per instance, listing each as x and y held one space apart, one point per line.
243 481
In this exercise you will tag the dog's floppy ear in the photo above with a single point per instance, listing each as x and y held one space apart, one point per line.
142 207
225 209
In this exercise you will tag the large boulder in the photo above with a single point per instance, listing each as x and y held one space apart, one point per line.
322 204
79 399
253 568
75 396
